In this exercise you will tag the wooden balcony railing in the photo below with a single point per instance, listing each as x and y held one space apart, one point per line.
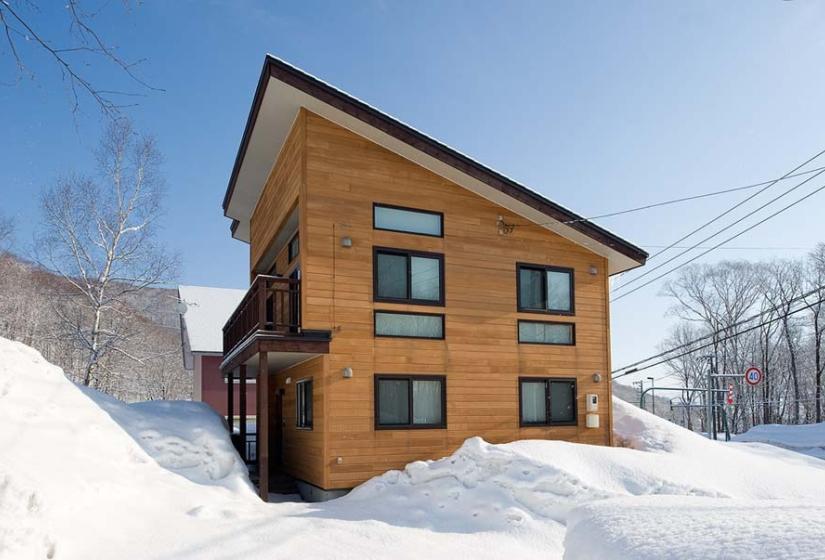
271 304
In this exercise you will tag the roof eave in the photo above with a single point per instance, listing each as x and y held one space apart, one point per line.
276 68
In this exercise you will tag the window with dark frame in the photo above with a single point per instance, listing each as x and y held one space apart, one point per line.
546 332
545 289
402 276
407 220
410 401
547 401
409 325
293 248
303 403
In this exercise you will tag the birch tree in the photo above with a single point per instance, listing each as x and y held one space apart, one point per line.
99 235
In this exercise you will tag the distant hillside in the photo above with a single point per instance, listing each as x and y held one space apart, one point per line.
631 394
151 364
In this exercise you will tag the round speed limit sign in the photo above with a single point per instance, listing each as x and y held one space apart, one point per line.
753 375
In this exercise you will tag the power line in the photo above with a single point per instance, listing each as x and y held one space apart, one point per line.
660 362
689 198
737 205
739 323
731 248
731 238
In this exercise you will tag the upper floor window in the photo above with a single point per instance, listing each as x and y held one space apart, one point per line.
407 220
408 276
293 248
542 332
409 325
303 403
545 289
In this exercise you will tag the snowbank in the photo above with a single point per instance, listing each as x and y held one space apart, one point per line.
647 528
85 476
188 438
73 482
807 438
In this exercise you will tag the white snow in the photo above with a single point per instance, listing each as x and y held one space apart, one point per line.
687 528
85 476
207 310
807 438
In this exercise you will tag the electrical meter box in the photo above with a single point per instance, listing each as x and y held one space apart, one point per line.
592 403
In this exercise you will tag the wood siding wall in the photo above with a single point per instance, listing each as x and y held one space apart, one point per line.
280 194
480 356
304 452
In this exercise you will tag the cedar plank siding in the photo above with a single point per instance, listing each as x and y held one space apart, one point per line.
480 356
280 194
303 454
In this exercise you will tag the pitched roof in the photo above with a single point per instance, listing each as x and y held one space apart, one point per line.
283 89
207 310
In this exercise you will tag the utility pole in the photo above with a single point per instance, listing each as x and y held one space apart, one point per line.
652 394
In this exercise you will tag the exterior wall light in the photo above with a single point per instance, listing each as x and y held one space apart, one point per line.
593 270
288 380
346 241
597 378
346 372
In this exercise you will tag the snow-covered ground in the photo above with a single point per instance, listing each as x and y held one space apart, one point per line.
85 476
808 438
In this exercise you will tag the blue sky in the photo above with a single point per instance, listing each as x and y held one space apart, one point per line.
598 105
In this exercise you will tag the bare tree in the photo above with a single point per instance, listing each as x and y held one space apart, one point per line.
6 230
99 234
23 30
783 288
815 285
687 367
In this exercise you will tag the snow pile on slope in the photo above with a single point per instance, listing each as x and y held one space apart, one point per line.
807 438
185 437
73 482
647 528
534 483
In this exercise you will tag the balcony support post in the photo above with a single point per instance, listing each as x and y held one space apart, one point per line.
242 407
230 402
262 425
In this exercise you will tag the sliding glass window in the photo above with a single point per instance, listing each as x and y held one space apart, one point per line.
401 276
410 401
545 289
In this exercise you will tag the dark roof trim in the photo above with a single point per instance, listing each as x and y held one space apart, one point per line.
310 85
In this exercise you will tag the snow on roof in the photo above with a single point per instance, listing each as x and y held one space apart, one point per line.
207 310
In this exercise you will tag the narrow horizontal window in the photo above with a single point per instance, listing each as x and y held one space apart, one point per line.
408 220
547 401
545 289
538 332
403 401
408 276
409 325
303 403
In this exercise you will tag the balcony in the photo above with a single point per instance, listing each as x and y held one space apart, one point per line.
268 319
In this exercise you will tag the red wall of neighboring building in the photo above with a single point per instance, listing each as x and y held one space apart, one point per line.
213 388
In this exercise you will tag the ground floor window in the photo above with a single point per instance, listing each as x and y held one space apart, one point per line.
545 401
304 403
410 401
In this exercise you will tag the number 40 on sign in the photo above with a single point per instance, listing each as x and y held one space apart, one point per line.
753 375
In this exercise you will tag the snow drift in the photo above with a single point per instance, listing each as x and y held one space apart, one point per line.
86 476
73 481
808 438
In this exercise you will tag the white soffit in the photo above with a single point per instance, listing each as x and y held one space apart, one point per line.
278 111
